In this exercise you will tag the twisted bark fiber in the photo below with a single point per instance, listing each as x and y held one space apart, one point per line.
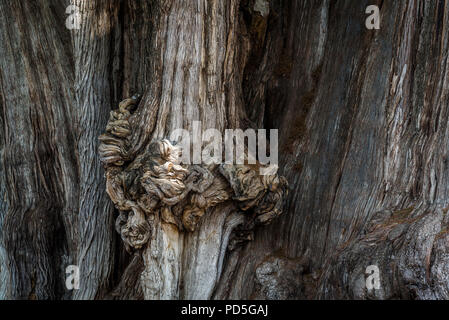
363 130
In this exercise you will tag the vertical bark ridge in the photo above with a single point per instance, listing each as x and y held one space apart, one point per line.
93 92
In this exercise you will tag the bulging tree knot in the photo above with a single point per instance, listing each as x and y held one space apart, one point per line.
156 186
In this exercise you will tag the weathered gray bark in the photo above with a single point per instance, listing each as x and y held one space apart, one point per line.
363 138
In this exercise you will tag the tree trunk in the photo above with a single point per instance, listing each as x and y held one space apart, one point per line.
362 117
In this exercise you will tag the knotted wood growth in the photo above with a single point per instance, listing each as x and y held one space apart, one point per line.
161 199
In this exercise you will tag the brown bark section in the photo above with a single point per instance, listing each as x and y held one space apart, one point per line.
362 116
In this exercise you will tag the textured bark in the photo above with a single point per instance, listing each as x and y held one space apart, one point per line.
39 162
368 136
362 118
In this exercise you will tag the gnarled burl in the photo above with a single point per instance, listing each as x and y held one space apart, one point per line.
182 218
